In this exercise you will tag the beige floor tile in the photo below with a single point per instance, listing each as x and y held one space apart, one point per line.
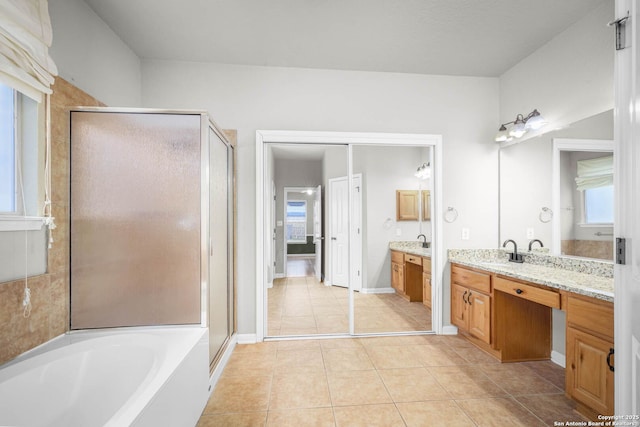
262 347
499 412
339 319
548 370
395 341
248 363
299 322
299 361
368 416
551 407
313 417
297 309
433 355
518 379
474 355
299 391
434 413
412 385
465 382
357 388
245 419
292 331
347 359
340 343
298 345
386 357
323 310
239 394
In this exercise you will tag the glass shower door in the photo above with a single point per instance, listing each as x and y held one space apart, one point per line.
135 219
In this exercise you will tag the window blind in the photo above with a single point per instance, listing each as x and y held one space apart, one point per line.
594 173
25 38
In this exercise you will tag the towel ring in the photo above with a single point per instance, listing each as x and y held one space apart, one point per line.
451 214
545 215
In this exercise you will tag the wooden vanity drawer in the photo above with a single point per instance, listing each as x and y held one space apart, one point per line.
397 257
414 259
591 314
528 292
471 279
426 265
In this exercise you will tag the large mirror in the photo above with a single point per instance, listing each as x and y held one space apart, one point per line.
318 249
540 198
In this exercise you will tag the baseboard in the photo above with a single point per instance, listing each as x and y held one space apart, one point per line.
222 363
559 359
279 276
247 338
377 291
269 285
449 330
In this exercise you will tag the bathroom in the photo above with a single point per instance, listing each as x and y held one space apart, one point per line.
464 110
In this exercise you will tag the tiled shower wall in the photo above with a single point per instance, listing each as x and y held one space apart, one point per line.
599 249
49 292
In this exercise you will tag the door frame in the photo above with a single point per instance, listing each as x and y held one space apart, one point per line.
347 138
286 192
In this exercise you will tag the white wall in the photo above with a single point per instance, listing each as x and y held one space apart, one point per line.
568 79
464 110
91 56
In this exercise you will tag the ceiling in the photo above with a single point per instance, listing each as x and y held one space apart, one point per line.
313 152
450 37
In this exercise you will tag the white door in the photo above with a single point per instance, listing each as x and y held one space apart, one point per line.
627 188
317 231
272 265
340 232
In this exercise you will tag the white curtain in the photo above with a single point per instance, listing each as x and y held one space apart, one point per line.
25 38
594 173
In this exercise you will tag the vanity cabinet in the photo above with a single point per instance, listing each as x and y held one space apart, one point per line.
471 302
426 282
407 275
397 271
590 364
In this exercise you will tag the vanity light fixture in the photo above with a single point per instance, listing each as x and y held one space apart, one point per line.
424 171
520 126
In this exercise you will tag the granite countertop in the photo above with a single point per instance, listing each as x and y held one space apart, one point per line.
584 277
410 247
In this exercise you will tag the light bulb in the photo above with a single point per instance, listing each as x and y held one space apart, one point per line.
536 121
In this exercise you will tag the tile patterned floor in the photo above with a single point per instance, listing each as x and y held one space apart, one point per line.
423 380
303 306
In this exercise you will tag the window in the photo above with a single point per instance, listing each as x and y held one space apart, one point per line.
598 205
595 180
7 150
22 160
296 221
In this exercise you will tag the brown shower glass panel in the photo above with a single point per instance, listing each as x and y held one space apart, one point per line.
135 210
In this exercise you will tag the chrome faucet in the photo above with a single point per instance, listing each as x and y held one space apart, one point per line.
425 244
514 256
533 241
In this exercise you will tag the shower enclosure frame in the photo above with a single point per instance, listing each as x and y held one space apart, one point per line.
208 132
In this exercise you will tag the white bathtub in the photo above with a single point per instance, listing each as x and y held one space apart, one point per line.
116 378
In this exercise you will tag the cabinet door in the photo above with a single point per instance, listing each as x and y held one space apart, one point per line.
426 289
459 306
397 279
407 205
479 310
590 379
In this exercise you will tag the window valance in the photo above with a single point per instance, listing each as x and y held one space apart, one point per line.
594 173
25 38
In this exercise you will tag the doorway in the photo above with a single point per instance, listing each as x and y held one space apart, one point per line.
338 149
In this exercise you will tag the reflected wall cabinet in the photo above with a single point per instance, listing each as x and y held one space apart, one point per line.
151 221
407 205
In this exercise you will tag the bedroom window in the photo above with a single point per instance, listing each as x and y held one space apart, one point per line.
296 221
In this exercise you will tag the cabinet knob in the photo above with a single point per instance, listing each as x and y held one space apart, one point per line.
463 297
469 299
519 291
